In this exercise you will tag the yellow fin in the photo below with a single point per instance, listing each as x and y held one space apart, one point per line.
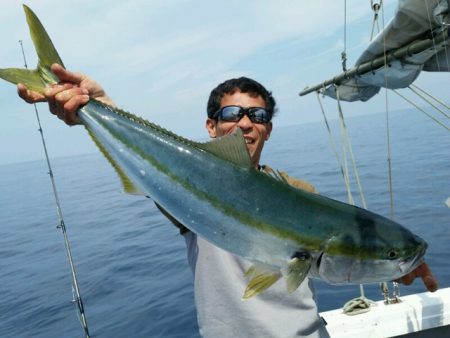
127 185
260 282
36 79
231 147
259 269
297 271
31 78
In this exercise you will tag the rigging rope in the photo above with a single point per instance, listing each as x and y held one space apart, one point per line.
422 110
75 288
383 285
347 144
446 24
429 102
432 35
360 304
429 95
376 8
388 134
344 52
336 153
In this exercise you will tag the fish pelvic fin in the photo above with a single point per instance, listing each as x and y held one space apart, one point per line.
39 78
297 270
261 279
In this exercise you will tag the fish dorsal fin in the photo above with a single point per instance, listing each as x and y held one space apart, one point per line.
231 147
262 278
127 184
297 270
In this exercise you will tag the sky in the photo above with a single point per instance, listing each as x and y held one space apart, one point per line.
160 59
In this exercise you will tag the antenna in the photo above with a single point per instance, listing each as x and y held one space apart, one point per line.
75 288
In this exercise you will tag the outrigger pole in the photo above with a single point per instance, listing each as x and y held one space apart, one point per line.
431 40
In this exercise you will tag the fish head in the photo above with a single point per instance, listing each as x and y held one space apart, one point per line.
384 252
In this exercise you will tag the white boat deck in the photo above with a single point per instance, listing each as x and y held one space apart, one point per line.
419 315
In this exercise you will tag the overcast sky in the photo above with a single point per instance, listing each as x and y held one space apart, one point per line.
160 59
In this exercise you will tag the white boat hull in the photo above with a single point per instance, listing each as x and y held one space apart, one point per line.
427 314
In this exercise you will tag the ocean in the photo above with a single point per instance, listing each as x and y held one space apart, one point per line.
131 263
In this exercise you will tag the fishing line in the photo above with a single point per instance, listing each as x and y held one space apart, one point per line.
75 288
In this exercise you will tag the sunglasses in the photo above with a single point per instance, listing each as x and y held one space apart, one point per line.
235 113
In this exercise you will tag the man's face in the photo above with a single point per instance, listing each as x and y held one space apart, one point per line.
255 134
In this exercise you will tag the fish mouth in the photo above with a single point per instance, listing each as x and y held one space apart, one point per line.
412 262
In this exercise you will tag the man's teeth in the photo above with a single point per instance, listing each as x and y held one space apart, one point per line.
248 141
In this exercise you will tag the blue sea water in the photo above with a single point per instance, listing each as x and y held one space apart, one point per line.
131 263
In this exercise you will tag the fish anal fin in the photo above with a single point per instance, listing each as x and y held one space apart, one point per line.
127 184
261 279
231 147
297 270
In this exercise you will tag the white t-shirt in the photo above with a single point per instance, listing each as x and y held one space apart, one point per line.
219 285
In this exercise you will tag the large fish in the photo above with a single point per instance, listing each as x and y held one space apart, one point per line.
214 190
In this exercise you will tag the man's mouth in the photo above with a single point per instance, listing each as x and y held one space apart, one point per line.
249 140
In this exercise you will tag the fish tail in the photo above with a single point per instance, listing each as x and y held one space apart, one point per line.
39 78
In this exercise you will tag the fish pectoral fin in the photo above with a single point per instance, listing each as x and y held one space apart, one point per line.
297 270
231 147
260 282
259 269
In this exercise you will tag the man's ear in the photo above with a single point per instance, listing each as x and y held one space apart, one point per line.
211 126
269 130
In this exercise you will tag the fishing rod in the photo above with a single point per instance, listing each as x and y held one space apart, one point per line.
75 288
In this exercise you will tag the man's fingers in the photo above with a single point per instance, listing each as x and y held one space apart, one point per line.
67 76
71 107
408 279
64 100
424 272
63 96
29 95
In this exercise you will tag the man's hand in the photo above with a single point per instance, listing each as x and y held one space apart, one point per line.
66 97
424 272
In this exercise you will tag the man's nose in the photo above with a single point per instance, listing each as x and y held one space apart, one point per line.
245 123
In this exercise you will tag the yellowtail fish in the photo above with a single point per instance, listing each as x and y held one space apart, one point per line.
215 191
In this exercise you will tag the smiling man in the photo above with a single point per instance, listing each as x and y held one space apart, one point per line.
219 278
242 103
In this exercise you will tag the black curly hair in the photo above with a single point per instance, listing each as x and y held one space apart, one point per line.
244 85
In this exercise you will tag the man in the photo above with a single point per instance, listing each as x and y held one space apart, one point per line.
219 276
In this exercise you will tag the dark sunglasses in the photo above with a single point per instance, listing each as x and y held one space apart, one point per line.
235 113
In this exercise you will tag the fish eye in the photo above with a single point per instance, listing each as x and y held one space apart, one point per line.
392 254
